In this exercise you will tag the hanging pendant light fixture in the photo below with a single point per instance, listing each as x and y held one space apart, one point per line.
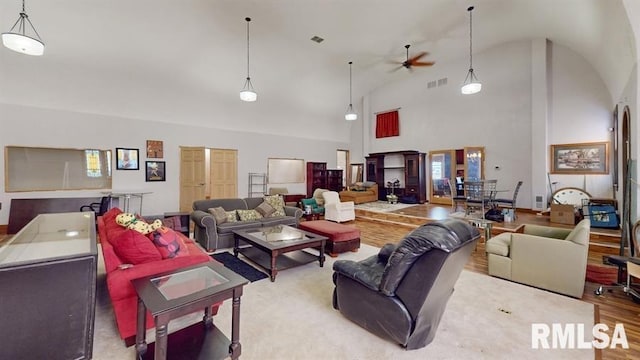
351 114
247 93
471 84
19 40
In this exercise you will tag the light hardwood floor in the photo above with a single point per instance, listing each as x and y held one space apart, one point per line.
611 308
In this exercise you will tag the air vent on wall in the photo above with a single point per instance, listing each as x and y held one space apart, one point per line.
434 83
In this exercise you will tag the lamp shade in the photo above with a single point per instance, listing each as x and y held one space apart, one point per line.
351 114
471 88
22 44
248 95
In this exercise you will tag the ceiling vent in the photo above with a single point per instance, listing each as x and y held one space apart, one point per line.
442 81
431 84
317 39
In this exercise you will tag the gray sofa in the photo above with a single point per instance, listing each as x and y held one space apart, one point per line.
212 236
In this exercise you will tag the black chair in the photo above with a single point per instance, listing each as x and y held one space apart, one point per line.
401 293
510 202
98 207
625 264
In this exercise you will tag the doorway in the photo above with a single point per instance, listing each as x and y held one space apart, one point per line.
342 162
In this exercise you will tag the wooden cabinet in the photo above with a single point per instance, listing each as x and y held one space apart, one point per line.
319 177
415 176
334 179
374 167
316 176
406 166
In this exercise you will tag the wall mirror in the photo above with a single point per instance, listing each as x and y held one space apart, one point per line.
474 163
356 173
442 169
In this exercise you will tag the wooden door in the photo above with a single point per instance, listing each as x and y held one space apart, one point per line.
224 173
193 176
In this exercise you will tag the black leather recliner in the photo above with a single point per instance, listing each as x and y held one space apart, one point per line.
401 293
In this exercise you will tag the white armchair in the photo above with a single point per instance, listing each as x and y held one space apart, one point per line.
335 210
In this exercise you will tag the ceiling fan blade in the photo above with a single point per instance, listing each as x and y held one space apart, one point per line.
396 69
428 63
417 57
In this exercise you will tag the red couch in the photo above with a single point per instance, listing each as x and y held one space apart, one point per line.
121 246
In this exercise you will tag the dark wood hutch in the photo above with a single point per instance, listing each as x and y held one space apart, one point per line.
407 166
318 176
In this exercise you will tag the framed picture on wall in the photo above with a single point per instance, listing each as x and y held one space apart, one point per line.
154 149
127 159
155 170
580 158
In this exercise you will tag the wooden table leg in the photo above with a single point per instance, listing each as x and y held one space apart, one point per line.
235 349
141 327
207 318
274 270
161 341
321 256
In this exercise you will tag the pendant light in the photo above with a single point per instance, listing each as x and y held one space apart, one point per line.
351 114
471 84
247 93
19 40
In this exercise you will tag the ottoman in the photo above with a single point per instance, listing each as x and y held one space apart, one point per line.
341 238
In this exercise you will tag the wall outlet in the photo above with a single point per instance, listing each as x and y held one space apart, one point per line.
538 202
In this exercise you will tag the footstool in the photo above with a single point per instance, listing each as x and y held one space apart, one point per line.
341 238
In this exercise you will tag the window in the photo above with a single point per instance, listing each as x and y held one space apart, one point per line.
387 124
93 163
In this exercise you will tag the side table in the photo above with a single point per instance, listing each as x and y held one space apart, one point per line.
311 217
172 294
485 224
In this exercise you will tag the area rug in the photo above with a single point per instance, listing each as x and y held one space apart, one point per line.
239 267
382 206
293 318
605 275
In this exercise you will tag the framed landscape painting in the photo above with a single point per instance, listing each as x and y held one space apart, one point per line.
580 158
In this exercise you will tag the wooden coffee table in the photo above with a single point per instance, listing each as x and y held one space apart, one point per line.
172 294
279 247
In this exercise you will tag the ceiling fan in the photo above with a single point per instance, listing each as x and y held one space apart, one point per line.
413 61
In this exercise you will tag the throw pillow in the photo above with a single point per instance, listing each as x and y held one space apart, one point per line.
248 215
169 243
219 214
277 202
134 248
232 216
265 209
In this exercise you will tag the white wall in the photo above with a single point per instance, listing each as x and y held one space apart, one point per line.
581 111
500 116
28 126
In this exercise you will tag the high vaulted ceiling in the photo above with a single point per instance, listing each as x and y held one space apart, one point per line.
170 60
